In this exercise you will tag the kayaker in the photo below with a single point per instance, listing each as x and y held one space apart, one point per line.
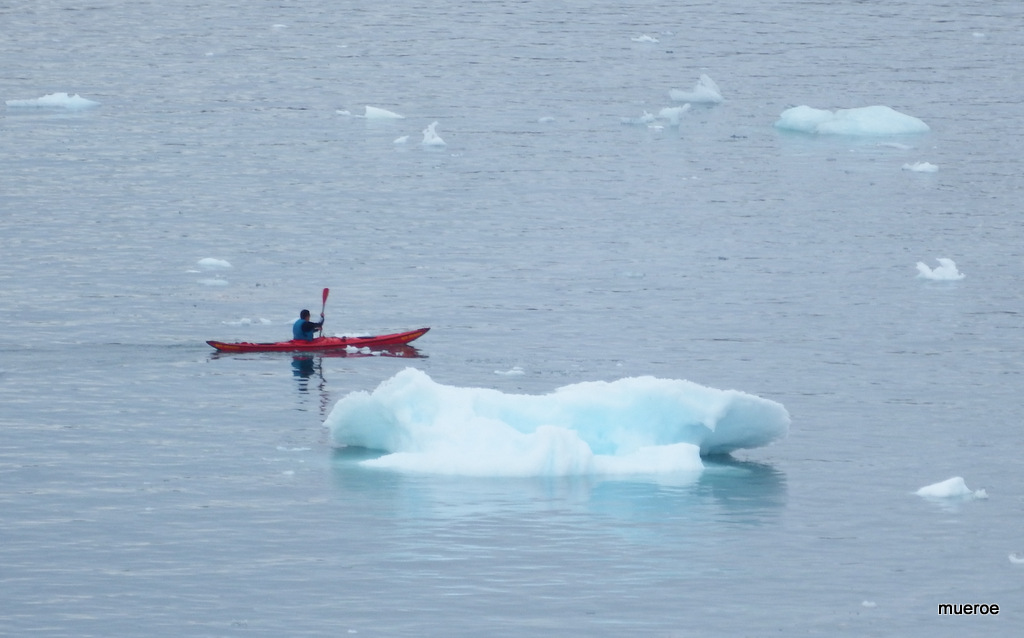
303 328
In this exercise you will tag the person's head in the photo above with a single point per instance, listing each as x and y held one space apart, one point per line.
304 314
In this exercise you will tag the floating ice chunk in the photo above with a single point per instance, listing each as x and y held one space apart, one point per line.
646 118
921 167
896 145
374 113
514 371
870 604
673 113
55 101
546 119
950 488
401 140
670 114
946 271
639 425
213 282
246 321
211 263
430 136
705 91
867 120
645 38
1017 558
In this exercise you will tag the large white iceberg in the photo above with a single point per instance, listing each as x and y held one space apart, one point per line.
639 425
867 120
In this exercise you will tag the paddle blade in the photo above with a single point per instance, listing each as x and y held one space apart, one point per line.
327 291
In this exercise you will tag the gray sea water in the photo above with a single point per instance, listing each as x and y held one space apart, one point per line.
151 488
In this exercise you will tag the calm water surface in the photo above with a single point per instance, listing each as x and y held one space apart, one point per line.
150 488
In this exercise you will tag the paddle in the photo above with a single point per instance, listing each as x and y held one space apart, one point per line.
327 291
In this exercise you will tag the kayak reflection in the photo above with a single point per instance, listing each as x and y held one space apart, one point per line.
402 351
309 365
306 365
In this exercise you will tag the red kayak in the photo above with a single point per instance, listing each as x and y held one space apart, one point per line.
322 344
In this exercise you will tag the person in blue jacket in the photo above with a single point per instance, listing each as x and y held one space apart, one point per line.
303 328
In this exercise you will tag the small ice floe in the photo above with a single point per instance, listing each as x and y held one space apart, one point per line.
646 118
54 101
946 271
921 167
672 114
211 263
513 372
1017 558
401 140
705 91
430 136
896 145
546 119
867 120
950 488
246 321
669 114
870 604
374 113
647 39
213 282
